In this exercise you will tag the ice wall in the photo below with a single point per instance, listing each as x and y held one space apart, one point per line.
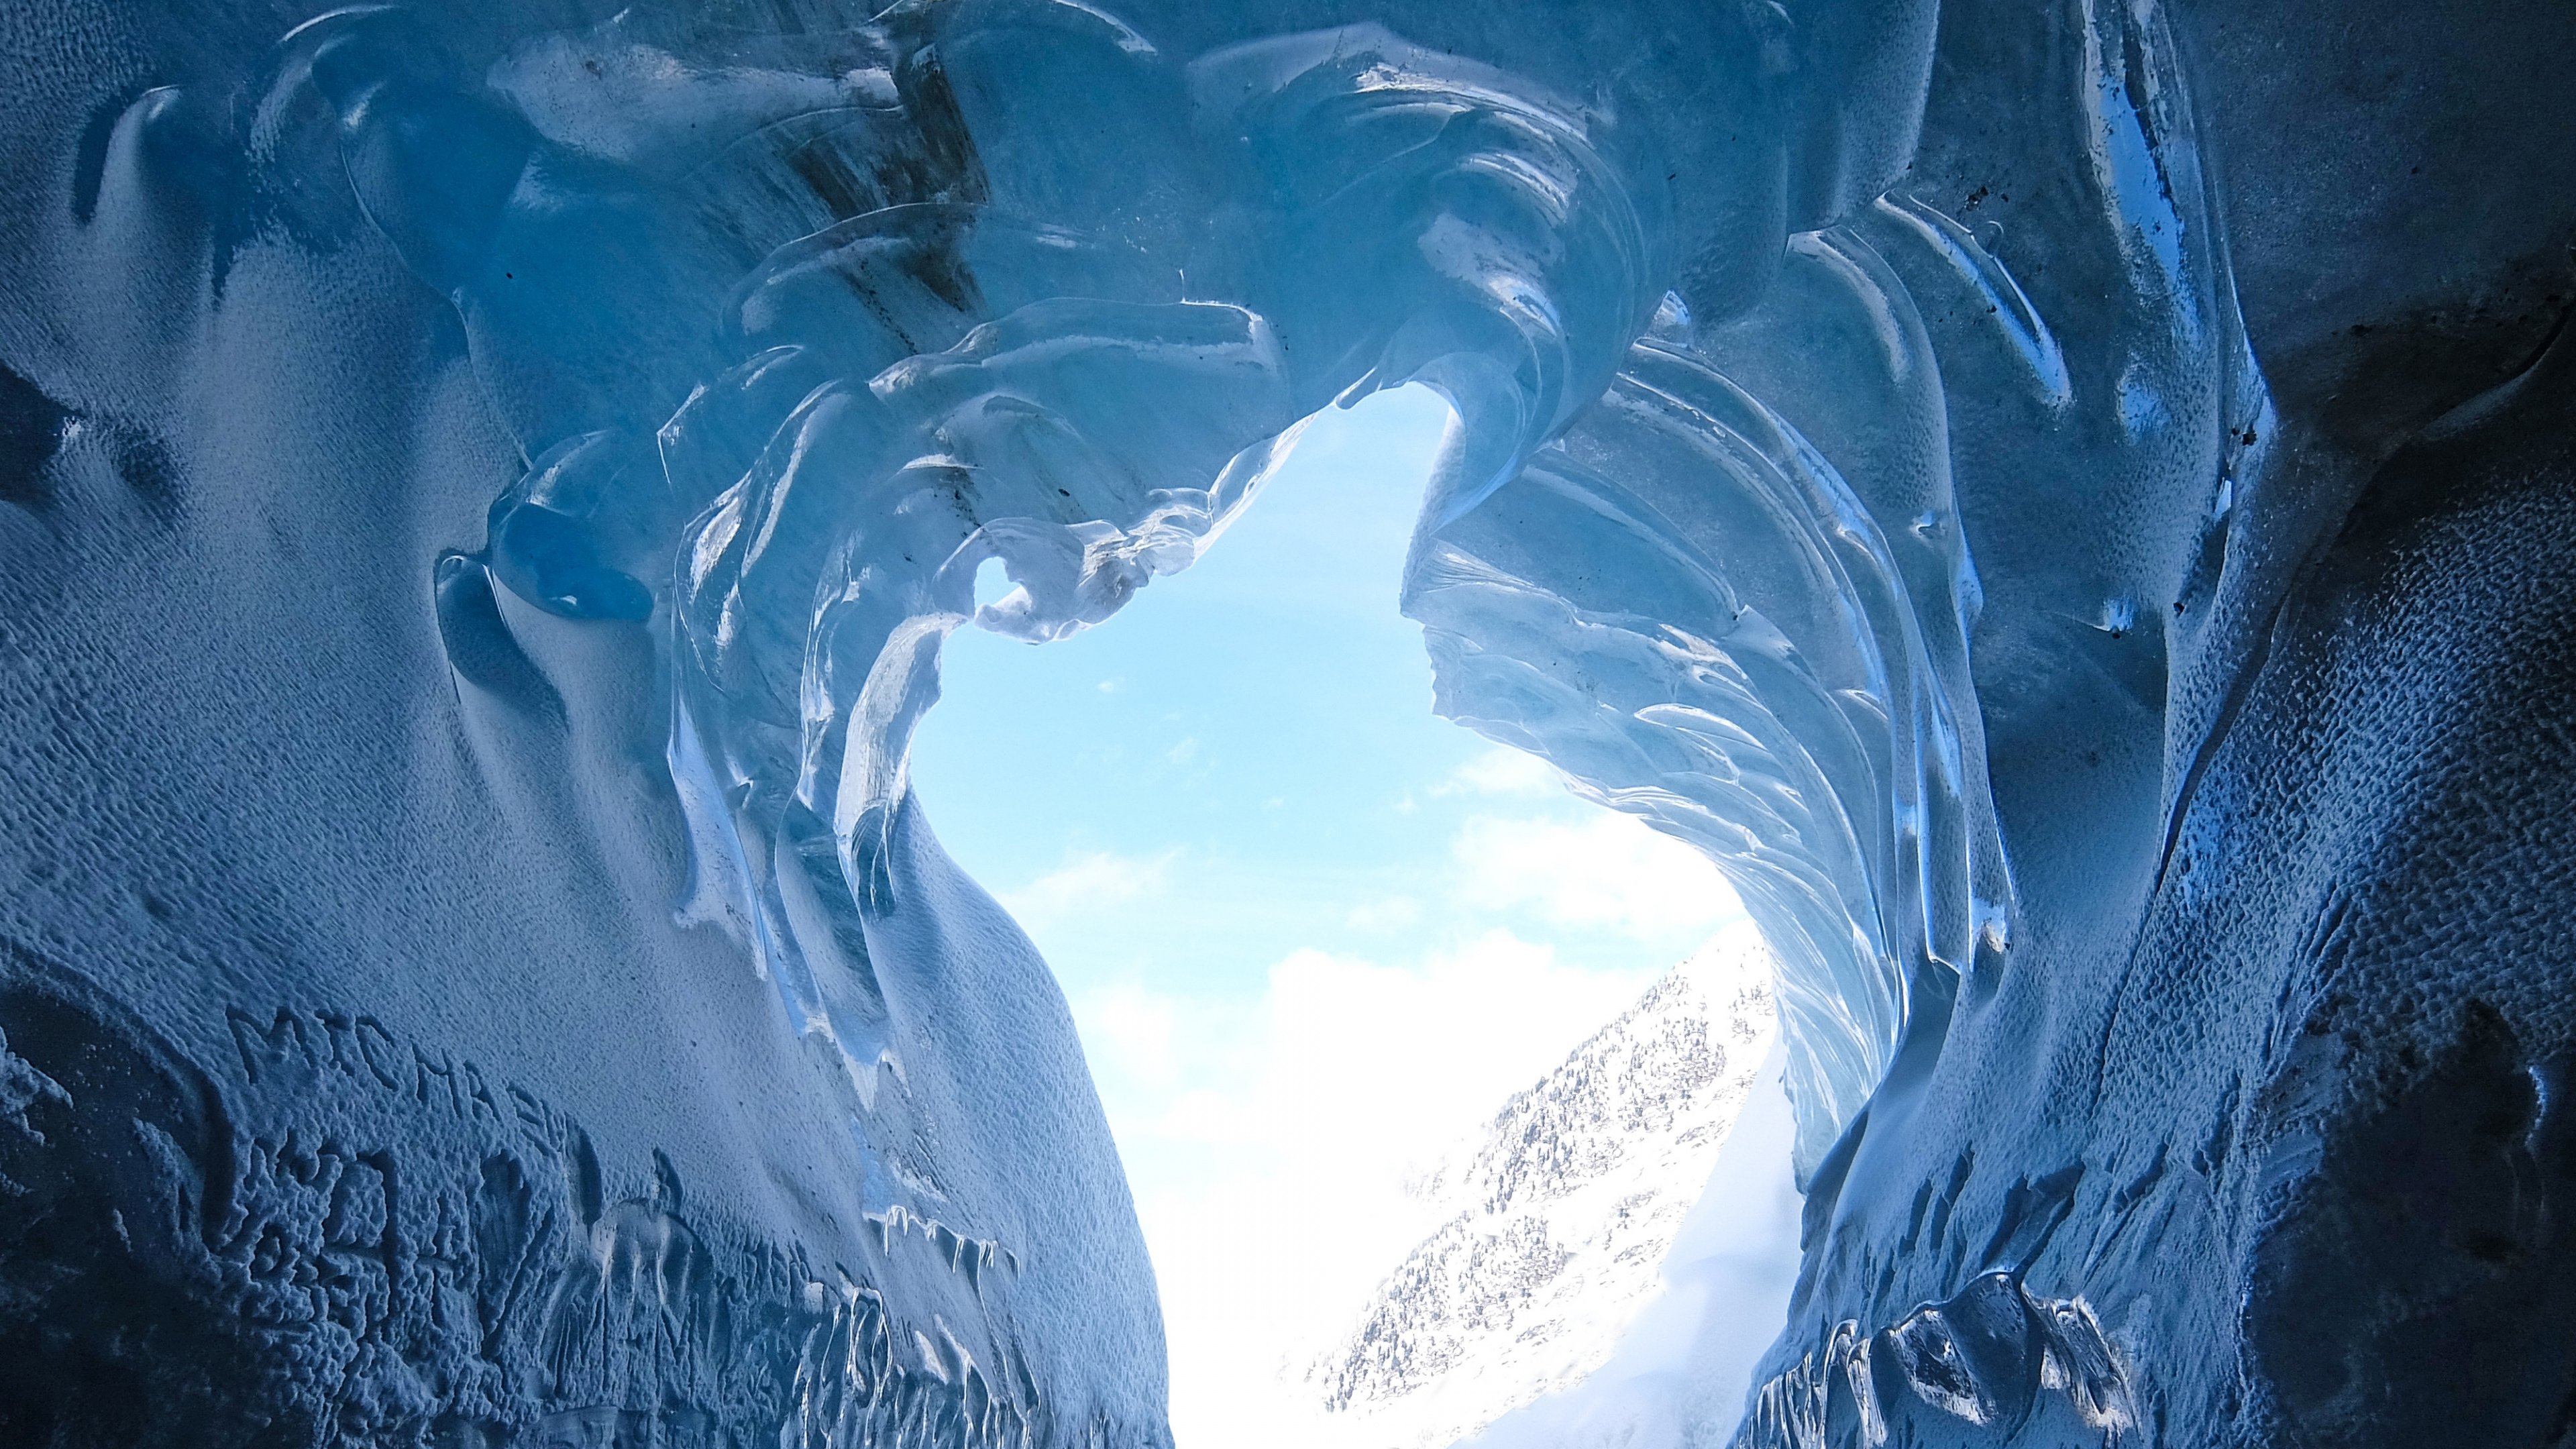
485 488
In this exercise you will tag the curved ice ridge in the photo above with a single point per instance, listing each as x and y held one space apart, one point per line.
1737 597
1718 574
1995 1359
960 386
1831 767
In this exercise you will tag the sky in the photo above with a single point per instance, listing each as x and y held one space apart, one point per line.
1311 933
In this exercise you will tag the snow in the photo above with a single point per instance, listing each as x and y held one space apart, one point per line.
1558 1222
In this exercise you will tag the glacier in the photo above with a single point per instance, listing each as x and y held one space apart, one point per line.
2066 505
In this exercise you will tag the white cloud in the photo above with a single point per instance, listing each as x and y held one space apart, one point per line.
1272 1184
1089 881
1135 1029
1606 869
1394 913
1381 1063
1502 770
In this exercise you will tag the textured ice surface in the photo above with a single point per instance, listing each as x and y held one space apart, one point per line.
482 489
1558 1217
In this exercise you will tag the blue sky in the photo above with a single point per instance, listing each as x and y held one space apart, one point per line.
1311 933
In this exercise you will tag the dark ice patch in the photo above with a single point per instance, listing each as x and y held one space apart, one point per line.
31 432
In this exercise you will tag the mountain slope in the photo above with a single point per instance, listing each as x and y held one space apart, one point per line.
1558 1213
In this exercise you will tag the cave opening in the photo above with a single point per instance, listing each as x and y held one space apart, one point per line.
1326 949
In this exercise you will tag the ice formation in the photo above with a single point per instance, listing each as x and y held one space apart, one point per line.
2066 504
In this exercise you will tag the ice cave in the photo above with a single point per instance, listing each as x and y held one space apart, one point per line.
2069 508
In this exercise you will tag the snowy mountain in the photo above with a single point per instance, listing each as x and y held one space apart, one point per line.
1557 1216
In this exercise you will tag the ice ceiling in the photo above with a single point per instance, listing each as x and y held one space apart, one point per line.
949 344
480 477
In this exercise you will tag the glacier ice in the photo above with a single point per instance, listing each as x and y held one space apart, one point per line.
2066 505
